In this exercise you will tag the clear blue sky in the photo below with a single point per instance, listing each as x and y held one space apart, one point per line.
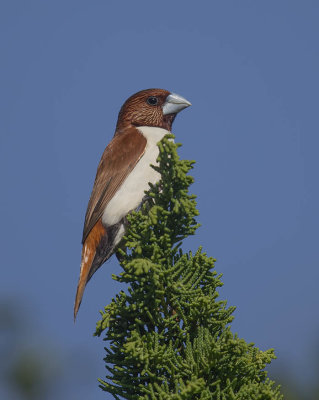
250 70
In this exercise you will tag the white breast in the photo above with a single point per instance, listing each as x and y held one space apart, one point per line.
130 194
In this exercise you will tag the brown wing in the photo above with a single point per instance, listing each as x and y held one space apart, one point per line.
117 161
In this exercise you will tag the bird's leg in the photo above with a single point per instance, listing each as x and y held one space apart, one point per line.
121 248
148 201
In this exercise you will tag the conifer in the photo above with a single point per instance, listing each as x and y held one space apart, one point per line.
167 332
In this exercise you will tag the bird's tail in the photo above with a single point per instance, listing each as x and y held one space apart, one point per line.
88 254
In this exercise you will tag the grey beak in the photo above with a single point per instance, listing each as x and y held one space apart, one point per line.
175 103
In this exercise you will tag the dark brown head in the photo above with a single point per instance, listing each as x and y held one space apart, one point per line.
151 107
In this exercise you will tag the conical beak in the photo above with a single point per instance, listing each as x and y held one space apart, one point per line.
175 103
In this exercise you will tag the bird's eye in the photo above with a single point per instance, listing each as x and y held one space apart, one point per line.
152 100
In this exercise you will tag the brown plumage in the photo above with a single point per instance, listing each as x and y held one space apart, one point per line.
137 112
104 225
111 172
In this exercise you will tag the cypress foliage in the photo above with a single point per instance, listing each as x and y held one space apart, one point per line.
169 334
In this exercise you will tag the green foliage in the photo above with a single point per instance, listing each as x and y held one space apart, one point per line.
168 335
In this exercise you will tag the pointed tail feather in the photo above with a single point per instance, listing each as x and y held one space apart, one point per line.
87 259
88 253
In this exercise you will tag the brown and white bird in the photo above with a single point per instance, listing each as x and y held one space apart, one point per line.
123 175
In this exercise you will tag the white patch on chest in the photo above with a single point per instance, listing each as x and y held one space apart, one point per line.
130 194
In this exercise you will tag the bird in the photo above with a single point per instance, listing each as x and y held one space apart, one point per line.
123 175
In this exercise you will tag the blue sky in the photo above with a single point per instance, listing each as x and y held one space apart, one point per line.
250 70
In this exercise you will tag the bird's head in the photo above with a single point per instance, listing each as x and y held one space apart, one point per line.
151 107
